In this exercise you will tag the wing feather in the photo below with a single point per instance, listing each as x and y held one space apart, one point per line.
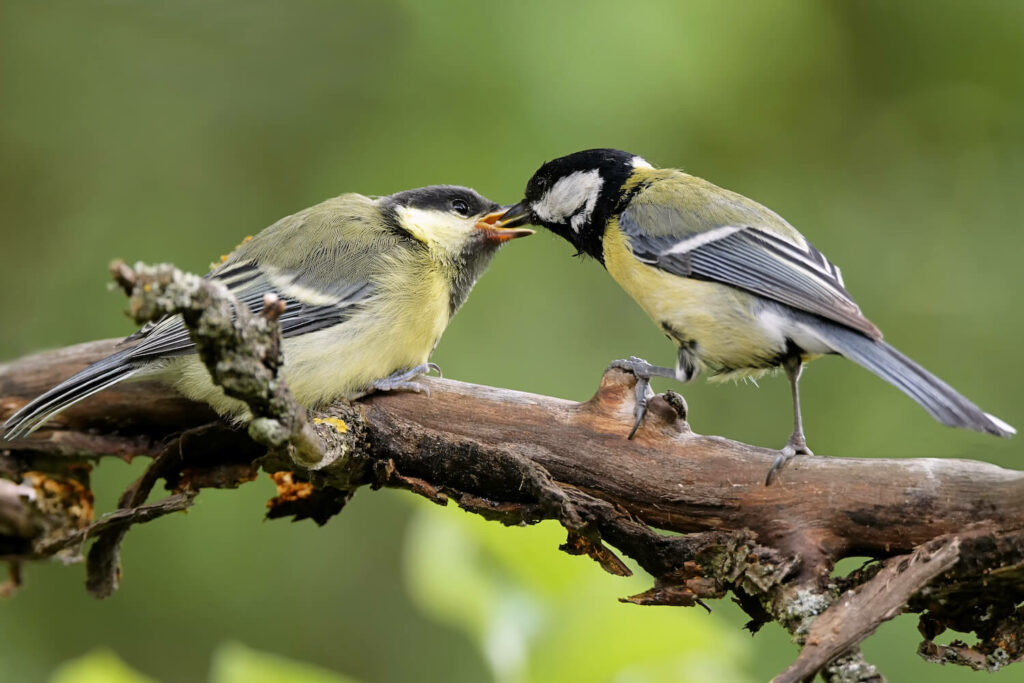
249 283
756 260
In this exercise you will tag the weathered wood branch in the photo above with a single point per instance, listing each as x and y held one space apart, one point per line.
954 529
858 612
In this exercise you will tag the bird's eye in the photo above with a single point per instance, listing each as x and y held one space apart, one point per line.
460 207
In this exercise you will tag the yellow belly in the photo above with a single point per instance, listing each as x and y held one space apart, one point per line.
717 319
396 330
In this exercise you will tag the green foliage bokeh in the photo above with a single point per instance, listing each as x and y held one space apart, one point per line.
891 133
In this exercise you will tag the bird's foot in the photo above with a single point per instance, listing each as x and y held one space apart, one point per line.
643 394
643 371
638 366
402 379
797 445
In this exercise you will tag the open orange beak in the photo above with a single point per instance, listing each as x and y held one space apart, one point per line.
496 227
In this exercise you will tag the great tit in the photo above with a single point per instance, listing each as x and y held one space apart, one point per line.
370 284
734 286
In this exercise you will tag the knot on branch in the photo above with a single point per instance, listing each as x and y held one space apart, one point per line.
615 400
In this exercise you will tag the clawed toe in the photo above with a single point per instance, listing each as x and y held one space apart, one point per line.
638 366
413 386
403 380
796 445
642 393
643 371
781 459
401 385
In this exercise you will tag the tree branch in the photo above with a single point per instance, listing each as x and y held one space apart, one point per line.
954 529
858 612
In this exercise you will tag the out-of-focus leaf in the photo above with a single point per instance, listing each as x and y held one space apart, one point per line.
540 615
236 663
99 666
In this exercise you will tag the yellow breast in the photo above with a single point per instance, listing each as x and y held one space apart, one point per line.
718 319
394 330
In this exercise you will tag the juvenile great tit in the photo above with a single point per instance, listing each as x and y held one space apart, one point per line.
734 286
370 285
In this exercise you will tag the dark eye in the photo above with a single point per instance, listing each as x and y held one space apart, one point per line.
460 207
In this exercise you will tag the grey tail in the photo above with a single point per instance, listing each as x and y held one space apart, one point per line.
941 401
96 377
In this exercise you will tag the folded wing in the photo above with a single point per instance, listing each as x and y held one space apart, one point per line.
308 309
753 259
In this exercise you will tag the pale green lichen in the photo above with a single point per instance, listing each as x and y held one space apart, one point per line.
851 668
240 348
803 607
997 660
268 431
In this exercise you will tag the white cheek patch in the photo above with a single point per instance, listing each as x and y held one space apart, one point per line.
568 195
441 229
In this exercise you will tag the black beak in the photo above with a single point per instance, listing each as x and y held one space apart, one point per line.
516 215
502 225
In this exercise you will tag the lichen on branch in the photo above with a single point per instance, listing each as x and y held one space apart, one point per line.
241 350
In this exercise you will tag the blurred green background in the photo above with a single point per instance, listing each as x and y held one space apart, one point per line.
892 134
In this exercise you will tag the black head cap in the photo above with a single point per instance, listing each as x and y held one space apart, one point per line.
575 195
459 200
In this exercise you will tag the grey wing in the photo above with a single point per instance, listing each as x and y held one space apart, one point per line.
751 259
249 283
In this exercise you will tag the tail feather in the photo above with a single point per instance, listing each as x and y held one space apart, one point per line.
942 401
95 378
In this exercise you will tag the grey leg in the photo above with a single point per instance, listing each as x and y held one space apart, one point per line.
797 443
643 371
402 379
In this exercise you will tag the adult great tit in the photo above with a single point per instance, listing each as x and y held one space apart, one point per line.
370 285
734 286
